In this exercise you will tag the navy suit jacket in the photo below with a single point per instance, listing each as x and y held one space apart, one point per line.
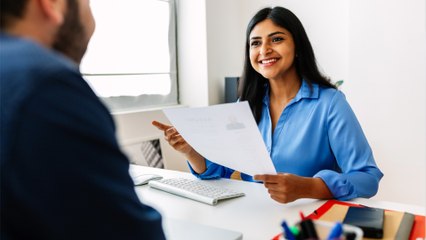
63 175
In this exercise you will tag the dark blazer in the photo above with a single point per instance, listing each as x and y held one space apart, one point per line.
63 175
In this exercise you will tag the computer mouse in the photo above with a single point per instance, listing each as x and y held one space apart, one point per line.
145 178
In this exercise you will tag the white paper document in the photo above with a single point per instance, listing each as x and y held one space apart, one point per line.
226 134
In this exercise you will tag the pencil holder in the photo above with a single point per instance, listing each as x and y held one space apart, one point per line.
323 230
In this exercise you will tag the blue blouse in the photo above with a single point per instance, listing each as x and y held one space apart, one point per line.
317 135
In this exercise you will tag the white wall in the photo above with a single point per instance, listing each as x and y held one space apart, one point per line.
225 41
192 53
377 46
387 90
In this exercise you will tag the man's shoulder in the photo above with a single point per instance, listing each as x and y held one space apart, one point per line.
31 73
27 67
20 55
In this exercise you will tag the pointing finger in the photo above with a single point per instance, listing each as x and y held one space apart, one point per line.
161 126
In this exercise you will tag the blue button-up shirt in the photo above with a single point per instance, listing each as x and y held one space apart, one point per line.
317 135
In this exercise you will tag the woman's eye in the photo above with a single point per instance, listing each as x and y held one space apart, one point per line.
254 43
277 39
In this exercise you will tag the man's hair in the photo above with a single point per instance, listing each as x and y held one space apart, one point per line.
10 10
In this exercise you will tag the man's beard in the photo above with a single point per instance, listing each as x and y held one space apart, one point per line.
71 37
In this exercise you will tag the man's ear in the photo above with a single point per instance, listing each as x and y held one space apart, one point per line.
54 9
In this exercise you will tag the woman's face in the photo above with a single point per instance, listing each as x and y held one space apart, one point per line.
272 50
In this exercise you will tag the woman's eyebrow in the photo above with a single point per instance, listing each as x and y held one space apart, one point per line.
253 38
275 33
269 35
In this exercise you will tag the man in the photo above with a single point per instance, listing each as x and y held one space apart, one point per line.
62 173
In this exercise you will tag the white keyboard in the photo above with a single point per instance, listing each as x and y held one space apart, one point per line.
195 189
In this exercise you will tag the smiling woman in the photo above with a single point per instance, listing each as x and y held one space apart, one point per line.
312 135
131 59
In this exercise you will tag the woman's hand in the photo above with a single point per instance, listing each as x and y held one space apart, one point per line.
285 187
176 140
173 137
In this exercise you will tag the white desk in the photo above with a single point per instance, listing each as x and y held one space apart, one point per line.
256 215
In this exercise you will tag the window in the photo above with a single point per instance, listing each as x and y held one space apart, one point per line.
131 59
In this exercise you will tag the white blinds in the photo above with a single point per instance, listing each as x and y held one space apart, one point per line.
131 59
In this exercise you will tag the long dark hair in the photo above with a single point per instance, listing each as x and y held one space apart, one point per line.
10 10
252 84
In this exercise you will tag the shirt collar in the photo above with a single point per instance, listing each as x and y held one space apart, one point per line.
304 92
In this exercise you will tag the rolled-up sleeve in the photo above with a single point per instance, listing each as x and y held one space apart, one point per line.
359 175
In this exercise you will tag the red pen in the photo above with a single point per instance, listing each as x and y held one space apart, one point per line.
302 216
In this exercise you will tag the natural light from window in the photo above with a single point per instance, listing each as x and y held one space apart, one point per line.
132 53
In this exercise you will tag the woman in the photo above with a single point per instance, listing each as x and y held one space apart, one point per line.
313 137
